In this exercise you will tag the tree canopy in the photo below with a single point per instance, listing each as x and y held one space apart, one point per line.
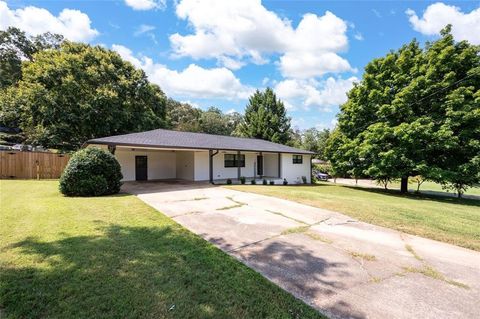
16 46
416 111
266 118
184 117
77 92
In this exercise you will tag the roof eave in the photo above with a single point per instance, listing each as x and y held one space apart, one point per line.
91 142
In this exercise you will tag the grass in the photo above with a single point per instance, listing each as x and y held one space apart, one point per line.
115 257
363 256
413 252
447 219
431 272
432 186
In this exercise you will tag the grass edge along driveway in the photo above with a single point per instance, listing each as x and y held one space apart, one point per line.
451 220
116 257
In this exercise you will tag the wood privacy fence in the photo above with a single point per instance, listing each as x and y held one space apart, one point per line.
32 165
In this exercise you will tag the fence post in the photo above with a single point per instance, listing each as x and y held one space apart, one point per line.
38 169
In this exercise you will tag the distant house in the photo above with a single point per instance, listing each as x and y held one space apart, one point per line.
165 154
318 161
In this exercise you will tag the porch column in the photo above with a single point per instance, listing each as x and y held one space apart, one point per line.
238 165
279 165
311 169
211 154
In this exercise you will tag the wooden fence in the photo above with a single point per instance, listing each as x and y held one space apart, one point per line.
32 165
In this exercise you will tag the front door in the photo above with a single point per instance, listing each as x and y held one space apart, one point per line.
260 165
141 168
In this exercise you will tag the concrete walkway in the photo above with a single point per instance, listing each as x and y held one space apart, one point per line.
342 267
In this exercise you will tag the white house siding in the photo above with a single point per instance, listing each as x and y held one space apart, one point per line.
293 172
161 164
185 165
270 164
201 170
222 172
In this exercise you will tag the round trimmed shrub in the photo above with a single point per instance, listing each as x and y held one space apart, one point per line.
91 172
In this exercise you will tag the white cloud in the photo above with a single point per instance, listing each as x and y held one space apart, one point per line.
465 26
72 24
358 36
377 13
247 31
312 93
144 28
146 4
194 81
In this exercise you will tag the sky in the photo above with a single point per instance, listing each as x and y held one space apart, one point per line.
218 52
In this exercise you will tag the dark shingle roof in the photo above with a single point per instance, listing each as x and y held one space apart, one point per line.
175 139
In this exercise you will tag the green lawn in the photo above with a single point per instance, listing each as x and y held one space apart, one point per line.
431 186
115 257
446 219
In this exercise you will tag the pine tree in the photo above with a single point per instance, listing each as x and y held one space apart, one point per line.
266 118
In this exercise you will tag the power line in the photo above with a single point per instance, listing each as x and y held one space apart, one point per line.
447 87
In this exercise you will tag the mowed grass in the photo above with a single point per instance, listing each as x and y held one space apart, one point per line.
451 220
431 186
115 257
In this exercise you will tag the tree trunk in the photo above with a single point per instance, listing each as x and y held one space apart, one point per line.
404 185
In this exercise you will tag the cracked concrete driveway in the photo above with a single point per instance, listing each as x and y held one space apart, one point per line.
342 267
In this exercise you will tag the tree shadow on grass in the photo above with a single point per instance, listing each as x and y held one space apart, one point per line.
414 196
136 272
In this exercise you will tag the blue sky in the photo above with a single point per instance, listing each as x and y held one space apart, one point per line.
215 53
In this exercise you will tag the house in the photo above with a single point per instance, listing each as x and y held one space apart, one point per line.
164 154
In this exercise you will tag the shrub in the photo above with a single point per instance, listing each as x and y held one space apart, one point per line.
285 182
304 179
91 172
264 182
253 182
272 182
242 180
229 181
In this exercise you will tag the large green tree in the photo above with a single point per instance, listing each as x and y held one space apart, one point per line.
266 118
79 92
214 121
416 112
316 141
16 46
184 117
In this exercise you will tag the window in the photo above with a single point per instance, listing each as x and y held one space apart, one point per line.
234 160
297 159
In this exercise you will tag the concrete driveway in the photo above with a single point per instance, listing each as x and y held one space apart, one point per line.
342 267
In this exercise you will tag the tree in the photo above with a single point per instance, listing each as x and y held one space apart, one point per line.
79 92
416 112
16 46
213 121
266 118
182 116
315 141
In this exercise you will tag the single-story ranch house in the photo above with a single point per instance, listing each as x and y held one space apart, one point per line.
165 154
